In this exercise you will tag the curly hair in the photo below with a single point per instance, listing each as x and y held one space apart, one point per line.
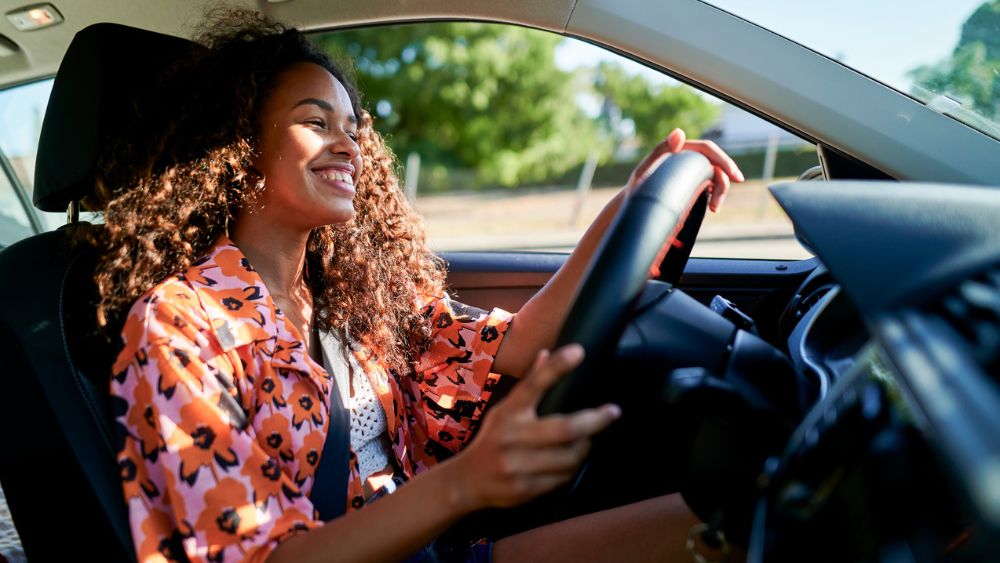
186 170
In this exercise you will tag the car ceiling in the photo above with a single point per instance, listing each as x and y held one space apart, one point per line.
41 50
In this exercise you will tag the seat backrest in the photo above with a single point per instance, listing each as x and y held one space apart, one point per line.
59 469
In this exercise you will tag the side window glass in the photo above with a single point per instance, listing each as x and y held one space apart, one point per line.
22 109
14 223
511 138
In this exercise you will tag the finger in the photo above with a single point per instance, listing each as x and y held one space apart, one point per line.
544 374
676 139
562 429
540 484
587 422
673 142
720 189
540 358
717 157
530 462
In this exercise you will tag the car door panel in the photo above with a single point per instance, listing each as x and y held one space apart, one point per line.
760 288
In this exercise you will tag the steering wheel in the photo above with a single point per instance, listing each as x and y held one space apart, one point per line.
636 245
648 224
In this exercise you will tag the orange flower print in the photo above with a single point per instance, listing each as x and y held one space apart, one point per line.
200 275
307 457
209 350
292 521
264 473
232 264
270 391
135 481
156 545
306 405
229 515
132 339
202 439
168 360
284 350
176 505
164 531
143 418
275 437
239 303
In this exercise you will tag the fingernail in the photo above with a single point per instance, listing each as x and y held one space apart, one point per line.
614 410
573 351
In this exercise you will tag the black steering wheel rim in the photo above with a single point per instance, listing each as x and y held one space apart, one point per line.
650 218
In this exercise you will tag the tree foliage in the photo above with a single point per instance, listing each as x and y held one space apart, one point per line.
471 95
490 97
655 109
972 73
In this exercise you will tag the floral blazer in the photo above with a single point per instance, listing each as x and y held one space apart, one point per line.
222 416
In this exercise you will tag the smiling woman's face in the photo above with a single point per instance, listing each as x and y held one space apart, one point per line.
308 151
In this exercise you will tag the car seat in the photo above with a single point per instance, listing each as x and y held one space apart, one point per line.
59 469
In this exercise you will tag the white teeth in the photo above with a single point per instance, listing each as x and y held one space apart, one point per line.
336 175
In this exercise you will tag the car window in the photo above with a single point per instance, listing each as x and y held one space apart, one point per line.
946 56
21 112
14 222
511 138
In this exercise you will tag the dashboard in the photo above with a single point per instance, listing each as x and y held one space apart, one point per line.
898 458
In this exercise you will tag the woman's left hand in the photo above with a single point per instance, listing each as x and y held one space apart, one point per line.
726 170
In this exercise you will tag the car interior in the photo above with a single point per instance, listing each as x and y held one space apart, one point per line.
49 329
840 408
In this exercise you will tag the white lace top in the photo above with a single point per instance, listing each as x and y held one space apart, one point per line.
368 424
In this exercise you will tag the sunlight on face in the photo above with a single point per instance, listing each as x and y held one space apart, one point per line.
309 155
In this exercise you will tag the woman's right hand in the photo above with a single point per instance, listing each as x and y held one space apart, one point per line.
518 455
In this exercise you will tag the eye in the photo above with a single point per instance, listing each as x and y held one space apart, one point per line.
316 122
353 135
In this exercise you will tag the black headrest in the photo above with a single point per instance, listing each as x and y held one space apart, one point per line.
107 68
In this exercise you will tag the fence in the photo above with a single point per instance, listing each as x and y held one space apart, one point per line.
431 178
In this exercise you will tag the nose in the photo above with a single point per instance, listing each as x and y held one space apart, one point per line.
344 145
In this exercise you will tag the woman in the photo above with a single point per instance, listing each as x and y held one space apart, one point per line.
267 269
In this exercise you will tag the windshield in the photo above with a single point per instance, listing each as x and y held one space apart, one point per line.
945 54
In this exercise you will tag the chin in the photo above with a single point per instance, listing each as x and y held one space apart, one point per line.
340 217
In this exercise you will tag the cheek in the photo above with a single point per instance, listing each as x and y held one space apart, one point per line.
302 145
359 166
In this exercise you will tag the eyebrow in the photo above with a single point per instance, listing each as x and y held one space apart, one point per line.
322 105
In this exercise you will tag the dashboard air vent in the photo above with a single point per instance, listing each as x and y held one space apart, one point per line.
972 310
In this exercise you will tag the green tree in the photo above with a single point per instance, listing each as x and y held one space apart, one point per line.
474 95
490 97
655 109
972 73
